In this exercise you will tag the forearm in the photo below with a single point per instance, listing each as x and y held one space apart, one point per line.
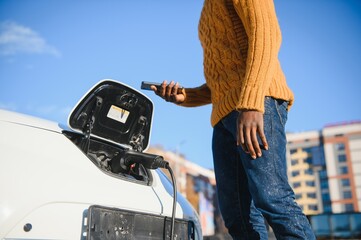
195 97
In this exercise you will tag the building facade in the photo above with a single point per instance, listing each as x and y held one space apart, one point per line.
325 168
307 170
342 145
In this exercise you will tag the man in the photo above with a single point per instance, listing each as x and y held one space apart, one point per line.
250 99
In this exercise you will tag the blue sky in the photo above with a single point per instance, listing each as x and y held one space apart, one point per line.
52 52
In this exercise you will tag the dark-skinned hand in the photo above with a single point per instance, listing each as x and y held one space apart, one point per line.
169 92
249 126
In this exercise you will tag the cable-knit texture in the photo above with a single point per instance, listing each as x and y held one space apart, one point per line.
241 41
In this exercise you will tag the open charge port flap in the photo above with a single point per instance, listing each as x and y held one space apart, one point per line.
112 223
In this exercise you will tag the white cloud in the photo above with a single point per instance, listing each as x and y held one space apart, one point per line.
16 39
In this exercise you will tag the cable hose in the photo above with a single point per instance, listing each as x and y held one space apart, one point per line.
174 201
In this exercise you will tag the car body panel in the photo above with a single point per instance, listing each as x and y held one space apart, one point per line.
60 179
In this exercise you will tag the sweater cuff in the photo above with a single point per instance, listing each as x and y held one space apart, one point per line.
251 98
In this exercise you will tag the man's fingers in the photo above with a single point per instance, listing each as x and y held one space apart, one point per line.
250 142
162 89
169 88
263 138
255 143
175 89
169 92
250 133
240 138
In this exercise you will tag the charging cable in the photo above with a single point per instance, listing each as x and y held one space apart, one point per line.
174 200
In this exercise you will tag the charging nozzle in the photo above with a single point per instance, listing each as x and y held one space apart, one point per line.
149 161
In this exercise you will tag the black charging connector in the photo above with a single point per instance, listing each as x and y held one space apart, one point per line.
151 161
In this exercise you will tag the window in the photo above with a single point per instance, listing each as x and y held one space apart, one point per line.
349 207
326 197
294 162
340 146
296 184
298 196
345 182
321 225
327 208
293 151
309 171
308 150
308 160
295 173
310 183
318 157
323 174
313 207
340 222
311 195
347 195
341 158
199 185
324 184
343 170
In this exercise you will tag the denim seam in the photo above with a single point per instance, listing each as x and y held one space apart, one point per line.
271 134
297 222
278 111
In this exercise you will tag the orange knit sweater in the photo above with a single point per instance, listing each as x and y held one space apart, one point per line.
241 41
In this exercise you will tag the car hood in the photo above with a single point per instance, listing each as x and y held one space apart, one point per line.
27 120
116 112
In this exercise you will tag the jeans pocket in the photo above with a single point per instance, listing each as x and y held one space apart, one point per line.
281 107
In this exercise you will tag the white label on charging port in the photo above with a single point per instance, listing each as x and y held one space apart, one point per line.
118 114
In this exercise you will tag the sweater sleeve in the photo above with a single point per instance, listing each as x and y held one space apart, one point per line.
195 97
264 39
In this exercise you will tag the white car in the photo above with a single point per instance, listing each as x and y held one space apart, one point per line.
91 179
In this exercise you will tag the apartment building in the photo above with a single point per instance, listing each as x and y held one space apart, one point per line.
307 170
325 168
342 144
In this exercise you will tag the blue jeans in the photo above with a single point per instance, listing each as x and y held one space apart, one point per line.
251 190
